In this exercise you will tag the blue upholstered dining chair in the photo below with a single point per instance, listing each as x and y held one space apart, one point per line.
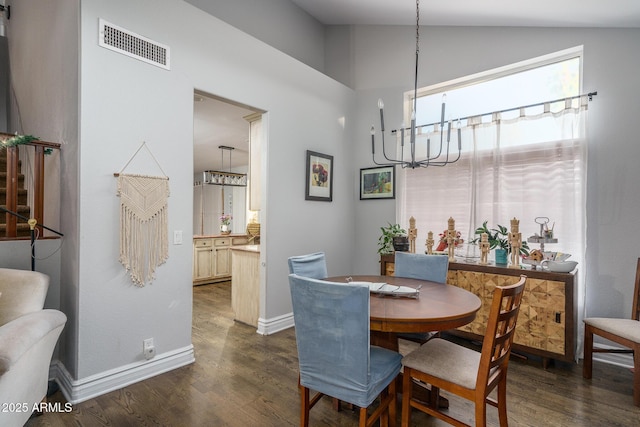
420 266
433 268
334 353
312 265
315 266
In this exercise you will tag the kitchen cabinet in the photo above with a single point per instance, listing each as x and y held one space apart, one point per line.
202 262
212 257
547 319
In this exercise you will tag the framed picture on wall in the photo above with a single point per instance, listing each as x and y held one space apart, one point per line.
378 183
319 177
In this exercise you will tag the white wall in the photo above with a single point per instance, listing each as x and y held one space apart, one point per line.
383 67
279 23
124 102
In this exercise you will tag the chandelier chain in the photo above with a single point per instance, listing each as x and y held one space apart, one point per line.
417 26
415 76
441 155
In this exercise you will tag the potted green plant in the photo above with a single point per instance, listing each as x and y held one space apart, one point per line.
499 240
393 237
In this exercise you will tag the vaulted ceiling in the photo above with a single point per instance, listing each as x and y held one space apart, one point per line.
501 13
218 123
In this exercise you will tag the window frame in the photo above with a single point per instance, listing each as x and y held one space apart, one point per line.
493 74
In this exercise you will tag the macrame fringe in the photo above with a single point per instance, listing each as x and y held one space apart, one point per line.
144 243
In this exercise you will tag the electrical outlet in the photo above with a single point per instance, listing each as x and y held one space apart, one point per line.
148 349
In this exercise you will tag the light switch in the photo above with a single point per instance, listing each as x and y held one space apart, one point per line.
177 237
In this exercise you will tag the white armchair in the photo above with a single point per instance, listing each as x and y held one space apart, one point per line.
28 336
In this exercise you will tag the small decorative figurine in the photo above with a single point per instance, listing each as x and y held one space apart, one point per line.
451 239
413 233
430 243
484 248
515 241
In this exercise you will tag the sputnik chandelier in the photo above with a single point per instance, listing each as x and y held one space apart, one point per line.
440 158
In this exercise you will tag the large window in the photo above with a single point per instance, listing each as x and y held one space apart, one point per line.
523 163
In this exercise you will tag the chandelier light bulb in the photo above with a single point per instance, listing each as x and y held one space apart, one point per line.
380 103
373 143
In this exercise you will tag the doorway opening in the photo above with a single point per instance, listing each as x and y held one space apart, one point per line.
225 135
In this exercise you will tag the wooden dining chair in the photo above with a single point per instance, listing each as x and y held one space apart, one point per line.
465 372
625 332
334 352
433 268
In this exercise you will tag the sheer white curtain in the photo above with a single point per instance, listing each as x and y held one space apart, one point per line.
524 167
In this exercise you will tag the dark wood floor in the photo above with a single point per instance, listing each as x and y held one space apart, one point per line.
241 378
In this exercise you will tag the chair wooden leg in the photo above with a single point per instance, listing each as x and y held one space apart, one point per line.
502 402
481 412
636 375
587 366
407 388
304 407
391 410
363 417
384 415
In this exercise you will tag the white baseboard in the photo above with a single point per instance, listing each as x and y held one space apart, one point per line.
76 391
275 324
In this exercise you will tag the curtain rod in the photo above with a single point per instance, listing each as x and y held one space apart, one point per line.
590 95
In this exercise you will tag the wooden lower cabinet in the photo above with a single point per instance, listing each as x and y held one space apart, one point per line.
202 263
212 257
546 322
221 258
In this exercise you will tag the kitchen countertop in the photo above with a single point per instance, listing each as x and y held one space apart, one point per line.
247 248
210 236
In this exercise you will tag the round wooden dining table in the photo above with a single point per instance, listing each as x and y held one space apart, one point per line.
438 307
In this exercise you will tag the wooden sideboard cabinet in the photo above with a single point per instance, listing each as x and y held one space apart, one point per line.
212 257
547 319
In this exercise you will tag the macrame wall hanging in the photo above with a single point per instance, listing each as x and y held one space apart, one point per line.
144 241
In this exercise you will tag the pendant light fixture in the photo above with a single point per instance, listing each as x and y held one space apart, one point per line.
223 177
443 156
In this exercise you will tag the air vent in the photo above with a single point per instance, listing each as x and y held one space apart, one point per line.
131 44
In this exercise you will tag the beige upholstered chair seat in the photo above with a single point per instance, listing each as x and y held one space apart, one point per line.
625 328
625 332
437 357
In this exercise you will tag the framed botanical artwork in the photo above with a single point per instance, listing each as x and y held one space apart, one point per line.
378 183
319 177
